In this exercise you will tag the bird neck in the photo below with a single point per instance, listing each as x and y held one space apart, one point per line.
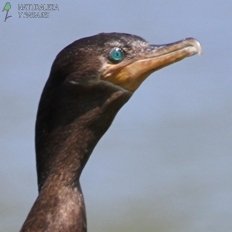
60 195
68 129
66 134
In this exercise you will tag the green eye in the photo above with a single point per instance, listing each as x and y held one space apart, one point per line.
116 55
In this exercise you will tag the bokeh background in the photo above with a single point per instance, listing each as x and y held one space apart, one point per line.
166 162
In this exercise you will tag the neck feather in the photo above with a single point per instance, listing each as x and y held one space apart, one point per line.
66 133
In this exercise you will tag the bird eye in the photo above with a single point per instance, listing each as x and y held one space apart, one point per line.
116 55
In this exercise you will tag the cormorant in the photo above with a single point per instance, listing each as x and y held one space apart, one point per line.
90 80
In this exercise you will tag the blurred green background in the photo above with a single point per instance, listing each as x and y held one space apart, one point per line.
166 162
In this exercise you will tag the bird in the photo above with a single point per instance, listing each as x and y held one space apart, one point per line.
90 80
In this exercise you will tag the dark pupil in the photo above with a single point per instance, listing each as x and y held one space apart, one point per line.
116 55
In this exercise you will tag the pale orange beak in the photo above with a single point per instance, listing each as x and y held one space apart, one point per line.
129 74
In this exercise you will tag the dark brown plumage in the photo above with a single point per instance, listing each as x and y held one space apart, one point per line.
90 80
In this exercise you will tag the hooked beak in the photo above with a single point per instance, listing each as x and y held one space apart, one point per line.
129 74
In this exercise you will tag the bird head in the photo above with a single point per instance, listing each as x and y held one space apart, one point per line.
90 80
122 60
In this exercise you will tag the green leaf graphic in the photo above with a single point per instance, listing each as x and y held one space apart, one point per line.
7 6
